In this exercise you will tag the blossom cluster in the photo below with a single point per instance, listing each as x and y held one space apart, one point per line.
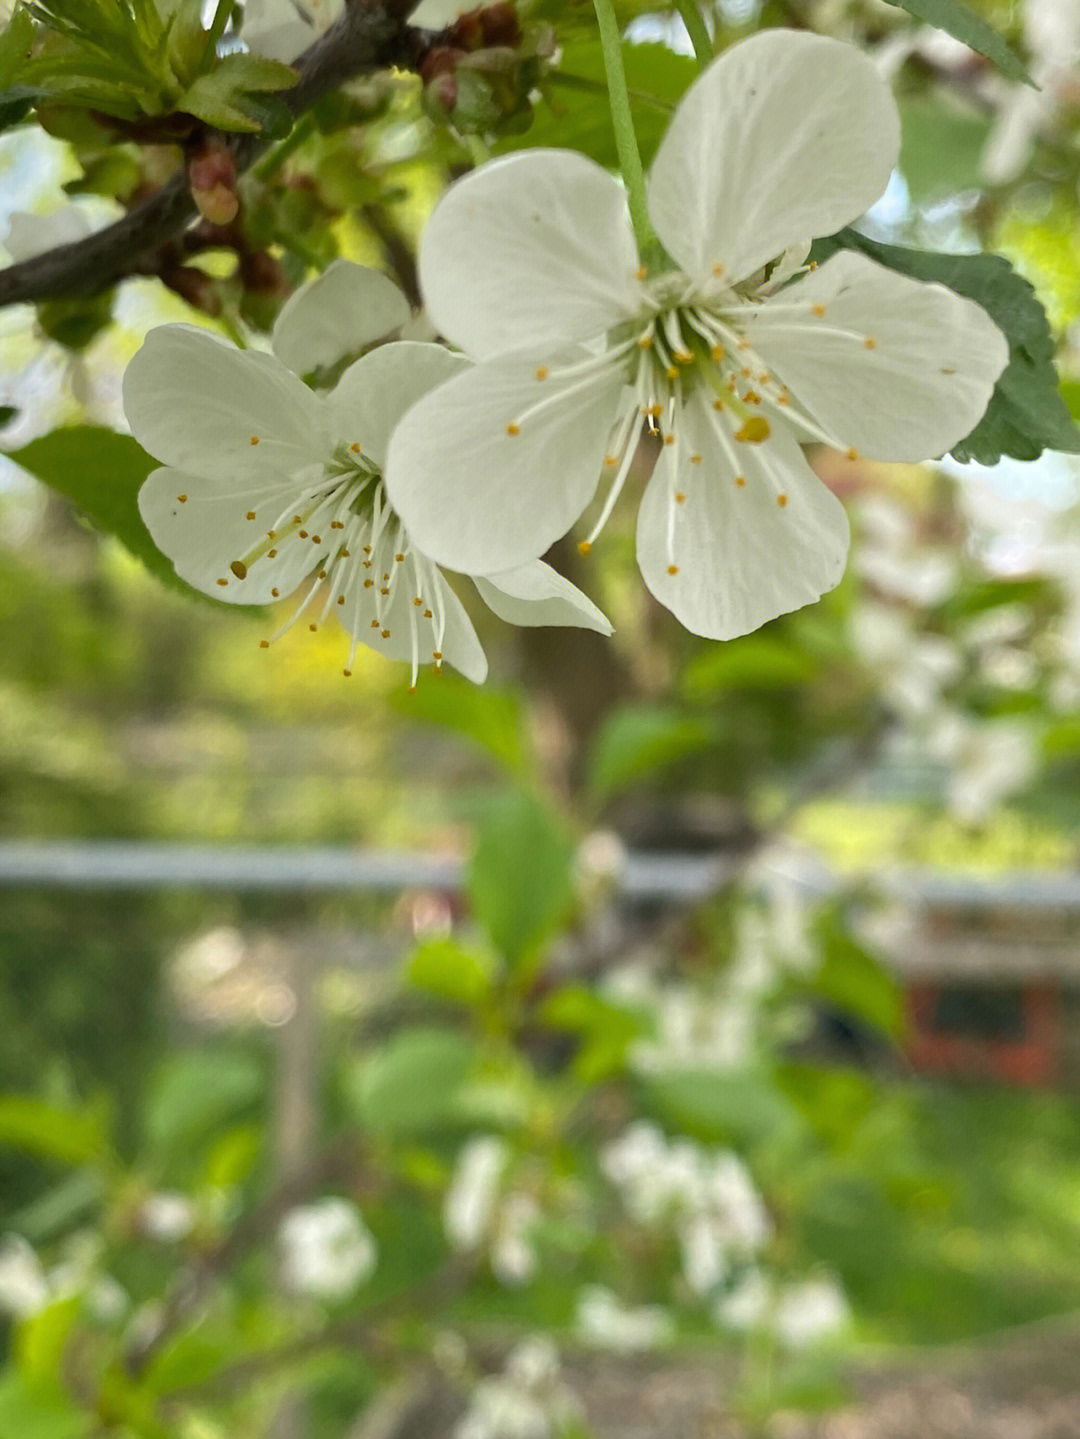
355 465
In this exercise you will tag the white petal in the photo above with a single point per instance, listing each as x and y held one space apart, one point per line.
478 498
208 530
458 646
198 404
923 385
785 135
375 392
345 309
538 595
743 553
531 251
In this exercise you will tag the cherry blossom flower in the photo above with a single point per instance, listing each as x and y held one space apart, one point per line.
269 485
530 266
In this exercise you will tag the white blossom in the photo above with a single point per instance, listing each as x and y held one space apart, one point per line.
528 1400
327 1251
603 1321
578 343
24 1288
268 486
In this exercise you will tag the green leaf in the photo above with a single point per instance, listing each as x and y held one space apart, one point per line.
639 740
755 662
834 1102
852 980
964 25
410 1085
102 472
606 1029
444 968
195 1095
71 1136
40 1339
1026 413
33 1411
717 1106
234 95
492 718
520 878
942 147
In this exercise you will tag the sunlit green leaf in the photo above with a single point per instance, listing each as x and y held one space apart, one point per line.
638 741
72 1136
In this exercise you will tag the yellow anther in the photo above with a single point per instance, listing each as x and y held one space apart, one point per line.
718 404
817 310
746 372
250 515
652 412
322 575
271 534
347 674
781 500
418 601
182 499
399 558
645 342
436 654
264 644
427 614
254 439
783 399
611 461
367 549
313 628
853 454
355 447
337 524
755 430
369 584
385 634
641 273
345 554
385 590
239 569
764 378
695 459
672 372
274 593
685 357
316 539
813 264
870 343
303 534
542 372
680 497
341 599
513 429
752 397
740 480
298 519
673 569
374 624
584 546
669 439
271 554
717 352
718 270
223 583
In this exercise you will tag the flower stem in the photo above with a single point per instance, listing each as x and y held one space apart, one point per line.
626 145
695 28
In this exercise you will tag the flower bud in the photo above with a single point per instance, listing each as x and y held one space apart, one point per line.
212 177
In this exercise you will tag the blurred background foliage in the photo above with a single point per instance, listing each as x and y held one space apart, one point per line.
284 1162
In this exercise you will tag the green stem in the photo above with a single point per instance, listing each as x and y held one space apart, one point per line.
626 146
695 28
270 164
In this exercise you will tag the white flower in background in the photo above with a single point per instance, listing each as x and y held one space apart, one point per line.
269 485
326 1249
478 1210
24 1288
602 1320
281 29
167 1217
800 1315
913 669
812 1312
785 136
1052 35
710 1199
528 1400
988 761
895 561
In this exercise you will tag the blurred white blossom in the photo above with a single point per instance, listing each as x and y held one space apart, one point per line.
326 1249
602 1320
528 1400
24 1288
167 1217
480 1209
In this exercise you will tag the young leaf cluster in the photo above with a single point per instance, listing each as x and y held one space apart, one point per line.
135 59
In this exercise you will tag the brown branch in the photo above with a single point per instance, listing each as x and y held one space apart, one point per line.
371 35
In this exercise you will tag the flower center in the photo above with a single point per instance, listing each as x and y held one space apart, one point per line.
361 560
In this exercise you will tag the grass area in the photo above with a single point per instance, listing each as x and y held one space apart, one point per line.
951 1213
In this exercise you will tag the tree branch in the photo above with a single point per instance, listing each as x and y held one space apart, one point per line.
370 35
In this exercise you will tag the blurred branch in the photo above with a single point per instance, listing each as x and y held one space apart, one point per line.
370 35
398 251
